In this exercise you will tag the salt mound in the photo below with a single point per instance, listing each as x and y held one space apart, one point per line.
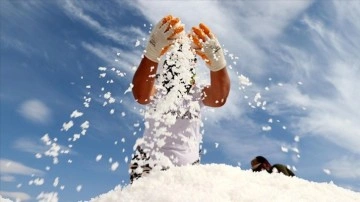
223 183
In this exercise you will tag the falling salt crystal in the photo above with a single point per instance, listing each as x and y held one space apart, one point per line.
102 68
280 84
296 150
244 80
38 155
126 159
67 126
284 127
76 137
62 187
116 142
300 83
76 114
69 161
216 145
266 88
117 54
18 186
129 89
147 124
137 43
270 120
296 138
266 128
327 171
112 111
122 139
114 166
111 100
98 157
284 149
37 181
107 95
257 97
47 168
78 188
102 75
110 160
56 182
85 125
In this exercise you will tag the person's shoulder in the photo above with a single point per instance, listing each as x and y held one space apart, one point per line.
278 165
282 169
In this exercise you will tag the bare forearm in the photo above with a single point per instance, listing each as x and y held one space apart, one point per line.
143 81
216 93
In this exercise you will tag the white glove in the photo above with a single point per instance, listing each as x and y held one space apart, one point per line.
208 47
162 36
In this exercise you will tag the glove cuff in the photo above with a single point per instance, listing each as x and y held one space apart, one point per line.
217 67
151 53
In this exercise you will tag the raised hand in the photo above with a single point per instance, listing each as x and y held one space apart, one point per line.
208 47
162 36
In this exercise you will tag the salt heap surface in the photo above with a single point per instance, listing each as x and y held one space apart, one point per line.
224 183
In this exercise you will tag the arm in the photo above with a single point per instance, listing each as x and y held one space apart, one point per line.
162 36
208 48
216 93
143 81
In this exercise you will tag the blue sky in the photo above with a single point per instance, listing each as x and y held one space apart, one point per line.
302 107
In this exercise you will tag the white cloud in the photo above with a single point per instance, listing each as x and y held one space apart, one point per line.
126 60
345 167
120 35
16 44
16 196
13 167
29 145
329 94
35 110
7 178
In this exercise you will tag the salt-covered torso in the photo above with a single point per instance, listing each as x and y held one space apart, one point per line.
172 119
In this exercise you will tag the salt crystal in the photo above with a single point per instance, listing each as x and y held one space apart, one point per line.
78 188
114 166
284 149
98 157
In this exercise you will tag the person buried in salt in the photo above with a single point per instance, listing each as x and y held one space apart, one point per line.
165 82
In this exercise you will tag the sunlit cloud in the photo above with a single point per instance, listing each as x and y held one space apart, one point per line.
345 167
332 107
35 110
120 35
7 178
13 167
16 196
30 145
